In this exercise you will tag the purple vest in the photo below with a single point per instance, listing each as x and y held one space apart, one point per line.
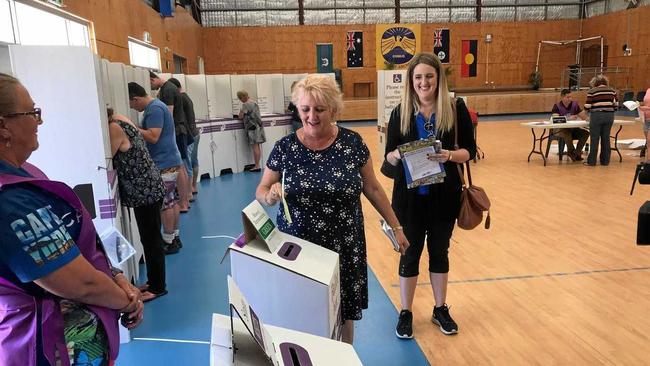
18 308
564 111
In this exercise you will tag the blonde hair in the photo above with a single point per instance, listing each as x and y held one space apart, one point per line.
8 86
322 88
242 95
599 80
444 112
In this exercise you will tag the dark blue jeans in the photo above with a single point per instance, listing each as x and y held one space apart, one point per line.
600 128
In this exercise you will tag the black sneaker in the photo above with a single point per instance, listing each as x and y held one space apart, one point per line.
443 319
177 241
171 248
404 327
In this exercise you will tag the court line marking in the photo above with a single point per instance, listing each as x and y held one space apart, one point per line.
218 236
531 276
170 340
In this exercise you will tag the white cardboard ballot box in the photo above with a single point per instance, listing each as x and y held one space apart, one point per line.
242 339
291 282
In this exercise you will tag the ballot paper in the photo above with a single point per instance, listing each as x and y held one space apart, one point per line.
419 169
390 234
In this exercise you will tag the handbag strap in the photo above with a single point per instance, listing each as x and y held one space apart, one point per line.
456 147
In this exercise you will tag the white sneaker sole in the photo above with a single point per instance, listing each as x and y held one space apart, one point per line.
403 336
435 321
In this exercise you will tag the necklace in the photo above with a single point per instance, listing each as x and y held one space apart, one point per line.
319 144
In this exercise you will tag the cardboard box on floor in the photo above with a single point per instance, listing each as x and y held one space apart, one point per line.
242 339
290 282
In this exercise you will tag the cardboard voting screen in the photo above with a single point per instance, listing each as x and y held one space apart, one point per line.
291 282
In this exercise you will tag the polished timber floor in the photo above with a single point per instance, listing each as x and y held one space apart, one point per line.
176 330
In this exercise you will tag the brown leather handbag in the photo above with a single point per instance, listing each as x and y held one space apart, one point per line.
473 200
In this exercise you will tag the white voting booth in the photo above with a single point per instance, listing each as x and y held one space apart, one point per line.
242 339
291 282
390 87
220 151
287 80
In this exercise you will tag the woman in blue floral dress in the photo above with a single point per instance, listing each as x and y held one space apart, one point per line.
325 169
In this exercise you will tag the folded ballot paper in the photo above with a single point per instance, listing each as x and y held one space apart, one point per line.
390 234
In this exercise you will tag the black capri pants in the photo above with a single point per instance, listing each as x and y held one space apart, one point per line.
437 233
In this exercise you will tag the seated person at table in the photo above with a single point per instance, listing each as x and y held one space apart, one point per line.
571 109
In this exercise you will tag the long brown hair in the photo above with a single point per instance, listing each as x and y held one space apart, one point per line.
444 111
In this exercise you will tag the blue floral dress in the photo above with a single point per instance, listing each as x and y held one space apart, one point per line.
323 196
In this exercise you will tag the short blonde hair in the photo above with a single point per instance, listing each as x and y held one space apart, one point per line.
242 94
323 88
8 86
599 80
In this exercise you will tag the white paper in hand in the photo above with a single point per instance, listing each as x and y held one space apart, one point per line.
390 234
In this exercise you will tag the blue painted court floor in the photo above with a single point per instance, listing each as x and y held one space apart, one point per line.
176 329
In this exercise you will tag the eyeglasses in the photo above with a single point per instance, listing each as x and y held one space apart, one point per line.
36 113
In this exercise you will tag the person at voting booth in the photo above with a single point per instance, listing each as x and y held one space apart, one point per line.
571 110
601 104
429 211
141 188
192 149
169 94
319 173
250 114
59 296
158 131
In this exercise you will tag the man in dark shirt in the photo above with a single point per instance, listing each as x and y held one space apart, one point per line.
169 94
192 149
571 110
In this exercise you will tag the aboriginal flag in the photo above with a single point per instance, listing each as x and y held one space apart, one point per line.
469 57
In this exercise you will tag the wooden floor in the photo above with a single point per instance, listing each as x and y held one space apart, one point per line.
557 280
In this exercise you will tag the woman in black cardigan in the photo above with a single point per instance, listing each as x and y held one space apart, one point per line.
428 111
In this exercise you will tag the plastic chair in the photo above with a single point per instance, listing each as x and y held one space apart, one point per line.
628 95
560 145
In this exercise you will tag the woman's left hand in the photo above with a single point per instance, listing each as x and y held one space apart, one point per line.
402 241
136 306
443 156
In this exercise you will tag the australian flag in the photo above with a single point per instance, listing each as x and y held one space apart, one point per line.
355 48
441 44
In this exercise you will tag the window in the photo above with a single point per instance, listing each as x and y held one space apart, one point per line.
6 25
144 55
41 24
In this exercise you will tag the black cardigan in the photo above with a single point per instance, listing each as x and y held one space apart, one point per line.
445 197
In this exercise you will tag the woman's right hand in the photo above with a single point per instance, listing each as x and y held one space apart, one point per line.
393 157
274 195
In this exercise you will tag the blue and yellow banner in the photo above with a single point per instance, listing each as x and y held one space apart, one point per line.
396 44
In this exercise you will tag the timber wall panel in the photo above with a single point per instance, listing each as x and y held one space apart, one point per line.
292 49
116 20
614 27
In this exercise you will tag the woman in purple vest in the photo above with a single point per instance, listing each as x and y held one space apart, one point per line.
59 297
